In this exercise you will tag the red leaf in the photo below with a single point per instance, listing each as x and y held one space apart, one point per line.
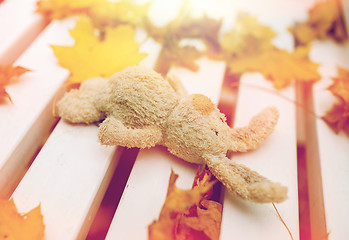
8 73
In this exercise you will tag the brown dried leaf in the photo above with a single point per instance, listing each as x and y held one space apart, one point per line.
203 222
184 26
338 116
187 214
325 21
174 55
248 37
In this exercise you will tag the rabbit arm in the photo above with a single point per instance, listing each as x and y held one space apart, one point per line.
113 132
78 107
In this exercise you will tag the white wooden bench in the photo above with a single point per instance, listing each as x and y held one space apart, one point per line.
70 172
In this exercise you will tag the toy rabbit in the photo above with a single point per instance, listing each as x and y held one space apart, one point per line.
139 108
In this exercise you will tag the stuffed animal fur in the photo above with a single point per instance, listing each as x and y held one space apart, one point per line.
139 108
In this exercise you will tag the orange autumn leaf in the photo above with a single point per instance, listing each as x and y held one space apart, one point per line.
13 225
98 56
59 9
8 73
340 86
325 21
338 116
202 224
188 214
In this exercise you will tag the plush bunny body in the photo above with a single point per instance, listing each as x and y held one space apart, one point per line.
139 108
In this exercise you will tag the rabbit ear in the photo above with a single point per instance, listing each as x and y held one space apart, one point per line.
243 182
259 128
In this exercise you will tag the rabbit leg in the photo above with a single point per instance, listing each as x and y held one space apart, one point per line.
243 182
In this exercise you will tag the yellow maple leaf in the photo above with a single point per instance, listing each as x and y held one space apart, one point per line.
279 66
249 48
98 56
13 225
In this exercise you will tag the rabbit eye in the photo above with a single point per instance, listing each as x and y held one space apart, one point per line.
215 131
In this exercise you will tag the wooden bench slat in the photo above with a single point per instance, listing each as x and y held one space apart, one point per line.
276 159
146 188
68 179
28 120
19 25
332 148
